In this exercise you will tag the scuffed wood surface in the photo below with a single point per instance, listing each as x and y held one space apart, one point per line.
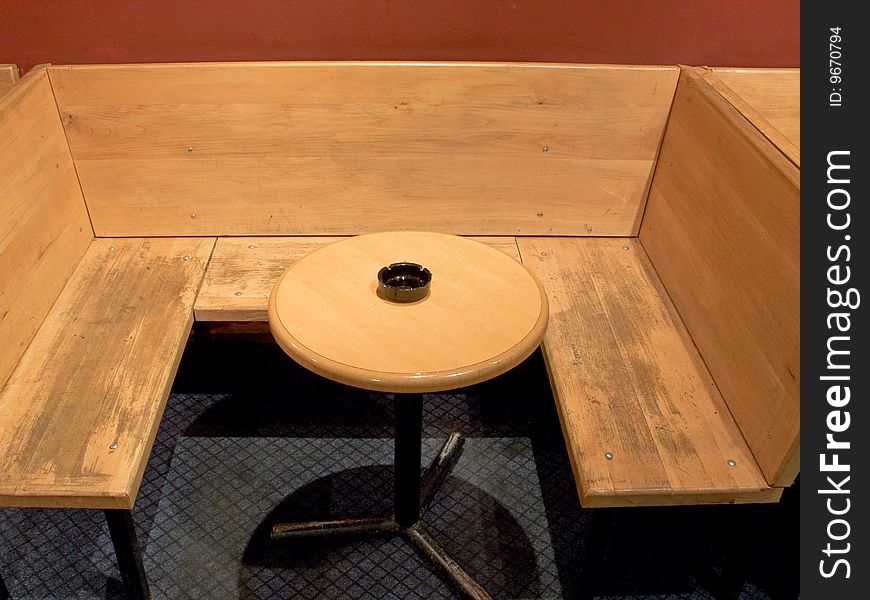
98 373
722 227
243 271
628 380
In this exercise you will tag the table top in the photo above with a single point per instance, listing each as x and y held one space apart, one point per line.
485 313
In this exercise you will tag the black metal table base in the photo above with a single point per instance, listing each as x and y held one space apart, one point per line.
412 496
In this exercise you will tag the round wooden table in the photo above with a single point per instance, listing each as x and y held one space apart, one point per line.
484 314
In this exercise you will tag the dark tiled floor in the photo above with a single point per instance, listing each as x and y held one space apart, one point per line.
232 456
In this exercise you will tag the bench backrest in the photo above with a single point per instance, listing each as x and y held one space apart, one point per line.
44 226
8 77
722 228
347 148
769 98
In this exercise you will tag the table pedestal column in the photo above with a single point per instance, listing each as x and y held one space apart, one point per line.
406 461
412 495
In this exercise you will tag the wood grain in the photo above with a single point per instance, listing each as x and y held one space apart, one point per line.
769 98
243 271
317 148
98 373
8 77
451 194
485 313
628 380
44 226
722 227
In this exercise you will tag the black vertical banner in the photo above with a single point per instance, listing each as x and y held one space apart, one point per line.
834 301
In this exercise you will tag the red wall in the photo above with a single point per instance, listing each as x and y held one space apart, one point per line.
700 32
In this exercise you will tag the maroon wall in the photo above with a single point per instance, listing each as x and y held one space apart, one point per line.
700 32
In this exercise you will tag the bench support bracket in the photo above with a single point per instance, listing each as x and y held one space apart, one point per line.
596 547
128 552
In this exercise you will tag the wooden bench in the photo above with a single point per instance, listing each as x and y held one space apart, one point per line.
92 330
662 223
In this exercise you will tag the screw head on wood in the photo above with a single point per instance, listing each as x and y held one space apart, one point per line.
190 148
238 294
625 247
546 148
185 258
192 215
608 455
732 462
252 246
113 446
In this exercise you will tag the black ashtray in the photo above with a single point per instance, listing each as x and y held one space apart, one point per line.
404 282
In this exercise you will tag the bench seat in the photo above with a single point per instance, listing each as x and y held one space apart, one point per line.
626 376
80 411
643 421
243 270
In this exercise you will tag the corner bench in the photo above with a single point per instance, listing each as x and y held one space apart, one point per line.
660 220
622 362
620 359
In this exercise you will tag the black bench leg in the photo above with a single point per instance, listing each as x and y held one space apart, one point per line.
596 547
128 553
4 591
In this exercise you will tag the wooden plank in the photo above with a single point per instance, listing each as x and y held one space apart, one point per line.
8 77
774 93
722 227
482 197
243 271
237 331
628 381
769 98
373 130
44 226
317 148
97 374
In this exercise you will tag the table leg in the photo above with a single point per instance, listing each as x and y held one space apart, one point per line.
410 502
440 468
408 438
411 496
465 582
359 526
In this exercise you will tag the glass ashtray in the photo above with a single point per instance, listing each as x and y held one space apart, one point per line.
404 282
